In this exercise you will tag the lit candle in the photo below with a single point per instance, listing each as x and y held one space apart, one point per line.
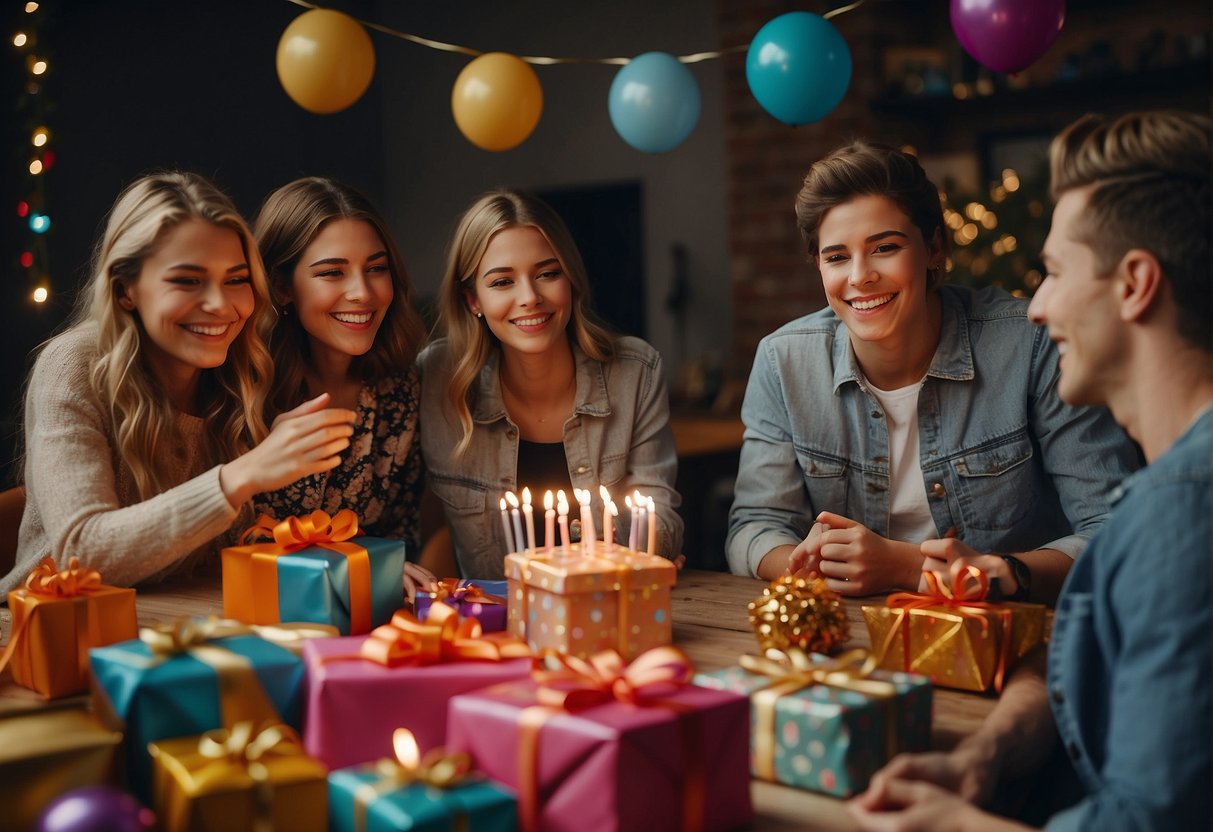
529 514
652 527
588 533
519 540
633 526
562 517
549 522
607 540
505 527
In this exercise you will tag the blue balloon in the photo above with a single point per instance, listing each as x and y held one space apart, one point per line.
654 102
798 67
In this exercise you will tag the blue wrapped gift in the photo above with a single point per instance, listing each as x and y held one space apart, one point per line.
188 678
314 569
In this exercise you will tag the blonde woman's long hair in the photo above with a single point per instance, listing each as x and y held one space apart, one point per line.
469 338
232 396
289 219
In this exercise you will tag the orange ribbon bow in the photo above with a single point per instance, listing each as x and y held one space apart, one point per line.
580 683
461 590
46 579
295 533
442 637
966 597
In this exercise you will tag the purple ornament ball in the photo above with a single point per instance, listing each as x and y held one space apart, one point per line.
95 809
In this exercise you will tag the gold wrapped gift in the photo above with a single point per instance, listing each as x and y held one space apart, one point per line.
238 779
45 753
954 636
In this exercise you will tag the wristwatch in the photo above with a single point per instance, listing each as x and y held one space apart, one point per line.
1023 577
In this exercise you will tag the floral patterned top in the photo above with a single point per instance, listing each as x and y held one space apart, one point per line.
381 475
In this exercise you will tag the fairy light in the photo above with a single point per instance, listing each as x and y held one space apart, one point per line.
30 8
41 294
38 67
20 39
35 167
31 208
41 137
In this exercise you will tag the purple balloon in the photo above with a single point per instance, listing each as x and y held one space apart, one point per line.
1007 35
95 809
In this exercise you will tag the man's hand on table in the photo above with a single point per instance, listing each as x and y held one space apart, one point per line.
894 805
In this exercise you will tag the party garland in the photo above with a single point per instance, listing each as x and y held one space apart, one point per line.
31 207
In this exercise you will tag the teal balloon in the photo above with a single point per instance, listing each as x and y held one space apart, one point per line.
654 102
798 67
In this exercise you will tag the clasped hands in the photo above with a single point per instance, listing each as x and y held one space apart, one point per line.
854 560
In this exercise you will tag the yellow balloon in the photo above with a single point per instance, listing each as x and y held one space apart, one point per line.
325 60
497 101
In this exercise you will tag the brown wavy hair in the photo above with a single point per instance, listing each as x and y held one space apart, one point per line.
469 338
289 219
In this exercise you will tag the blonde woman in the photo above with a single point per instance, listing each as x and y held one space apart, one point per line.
526 389
143 428
347 328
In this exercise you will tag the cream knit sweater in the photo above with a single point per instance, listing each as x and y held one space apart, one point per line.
80 501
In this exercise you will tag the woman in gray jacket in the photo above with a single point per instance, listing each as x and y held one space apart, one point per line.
526 389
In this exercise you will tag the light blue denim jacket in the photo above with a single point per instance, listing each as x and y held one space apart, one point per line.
618 436
1132 649
1004 461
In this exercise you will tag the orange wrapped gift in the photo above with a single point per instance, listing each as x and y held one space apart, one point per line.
57 618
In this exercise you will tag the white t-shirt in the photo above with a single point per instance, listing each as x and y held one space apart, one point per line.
910 518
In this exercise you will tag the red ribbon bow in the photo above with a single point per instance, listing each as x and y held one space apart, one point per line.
442 637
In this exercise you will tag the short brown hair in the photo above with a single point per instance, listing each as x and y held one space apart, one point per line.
1148 174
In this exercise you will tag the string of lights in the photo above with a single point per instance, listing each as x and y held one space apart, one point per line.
31 209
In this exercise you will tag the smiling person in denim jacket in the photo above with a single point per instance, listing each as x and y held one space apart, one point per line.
1128 300
911 411
526 389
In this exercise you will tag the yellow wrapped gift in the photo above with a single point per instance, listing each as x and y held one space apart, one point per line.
45 753
954 636
238 779
57 617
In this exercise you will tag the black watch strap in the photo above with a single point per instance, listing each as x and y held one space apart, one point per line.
1023 577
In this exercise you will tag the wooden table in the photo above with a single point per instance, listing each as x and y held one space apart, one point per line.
710 624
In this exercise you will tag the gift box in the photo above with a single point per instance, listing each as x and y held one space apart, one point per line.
405 794
827 724
482 600
359 689
56 617
954 637
190 677
603 746
238 779
581 604
45 753
316 569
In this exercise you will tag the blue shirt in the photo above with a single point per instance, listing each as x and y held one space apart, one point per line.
1132 651
1004 461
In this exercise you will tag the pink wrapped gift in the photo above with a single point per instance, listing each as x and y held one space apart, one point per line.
362 688
603 746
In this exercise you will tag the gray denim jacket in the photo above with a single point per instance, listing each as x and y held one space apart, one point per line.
618 436
1004 461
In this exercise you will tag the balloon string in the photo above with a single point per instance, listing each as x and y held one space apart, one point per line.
541 60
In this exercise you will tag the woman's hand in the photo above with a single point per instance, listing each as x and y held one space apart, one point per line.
303 441
417 579
939 555
854 560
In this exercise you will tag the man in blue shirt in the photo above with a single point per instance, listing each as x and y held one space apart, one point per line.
1127 686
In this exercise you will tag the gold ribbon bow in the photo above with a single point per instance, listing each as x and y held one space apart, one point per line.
296 533
442 637
437 769
605 677
967 598
792 670
460 590
242 746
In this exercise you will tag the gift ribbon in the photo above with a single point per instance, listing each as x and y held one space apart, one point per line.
792 670
296 533
437 769
47 582
243 747
460 590
442 637
966 598
577 683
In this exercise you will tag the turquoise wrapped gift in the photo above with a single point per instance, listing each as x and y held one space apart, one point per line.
435 794
315 569
824 724
190 677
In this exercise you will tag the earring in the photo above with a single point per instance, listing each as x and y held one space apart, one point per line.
479 314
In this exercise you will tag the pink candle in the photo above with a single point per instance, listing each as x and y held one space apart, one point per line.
607 540
652 527
562 518
529 514
505 527
549 522
588 533
634 517
519 540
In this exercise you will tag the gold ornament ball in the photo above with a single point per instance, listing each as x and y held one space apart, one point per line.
799 612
